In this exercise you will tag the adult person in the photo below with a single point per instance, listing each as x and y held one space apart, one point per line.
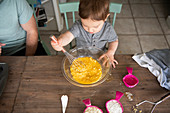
18 30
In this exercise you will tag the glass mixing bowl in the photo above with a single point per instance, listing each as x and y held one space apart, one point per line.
93 52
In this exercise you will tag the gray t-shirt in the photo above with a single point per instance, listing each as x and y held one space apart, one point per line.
99 39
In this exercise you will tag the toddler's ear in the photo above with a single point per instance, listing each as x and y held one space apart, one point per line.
107 16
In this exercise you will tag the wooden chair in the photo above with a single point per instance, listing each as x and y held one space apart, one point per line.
73 7
32 2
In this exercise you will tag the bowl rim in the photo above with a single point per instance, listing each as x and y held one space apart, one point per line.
79 84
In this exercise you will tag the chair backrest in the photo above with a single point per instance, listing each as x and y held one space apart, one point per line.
32 2
115 8
69 7
73 7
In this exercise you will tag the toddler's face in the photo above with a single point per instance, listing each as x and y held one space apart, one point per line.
92 26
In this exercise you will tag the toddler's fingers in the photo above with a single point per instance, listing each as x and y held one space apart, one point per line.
56 43
56 46
104 63
101 57
53 42
115 61
59 43
113 65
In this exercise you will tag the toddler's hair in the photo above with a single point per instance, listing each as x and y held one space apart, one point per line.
94 9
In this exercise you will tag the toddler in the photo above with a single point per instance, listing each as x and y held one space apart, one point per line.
92 29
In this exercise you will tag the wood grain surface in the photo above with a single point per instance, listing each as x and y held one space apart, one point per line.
36 84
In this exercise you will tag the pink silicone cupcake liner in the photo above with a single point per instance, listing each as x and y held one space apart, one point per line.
91 108
118 97
130 80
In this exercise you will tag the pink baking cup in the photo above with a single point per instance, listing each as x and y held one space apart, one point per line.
118 97
87 102
130 80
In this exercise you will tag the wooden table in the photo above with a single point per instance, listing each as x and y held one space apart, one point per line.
36 83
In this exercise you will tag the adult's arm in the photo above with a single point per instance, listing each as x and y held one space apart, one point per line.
32 36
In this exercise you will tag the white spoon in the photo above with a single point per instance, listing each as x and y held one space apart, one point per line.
64 101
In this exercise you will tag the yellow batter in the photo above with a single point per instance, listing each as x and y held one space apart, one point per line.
86 70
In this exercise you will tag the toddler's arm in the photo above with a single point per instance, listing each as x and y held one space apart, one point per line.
63 40
110 53
113 47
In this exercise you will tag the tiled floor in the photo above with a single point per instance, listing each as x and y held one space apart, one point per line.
141 25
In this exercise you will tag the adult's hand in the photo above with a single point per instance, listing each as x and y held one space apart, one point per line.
1 44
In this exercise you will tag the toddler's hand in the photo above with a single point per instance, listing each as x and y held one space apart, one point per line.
111 58
1 44
56 44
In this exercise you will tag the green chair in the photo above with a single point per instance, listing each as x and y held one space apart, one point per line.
115 8
69 7
74 6
32 2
